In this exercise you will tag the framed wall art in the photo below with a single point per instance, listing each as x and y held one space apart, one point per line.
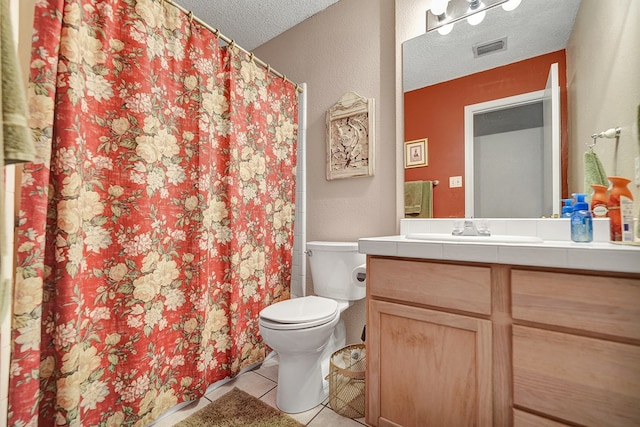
350 137
415 153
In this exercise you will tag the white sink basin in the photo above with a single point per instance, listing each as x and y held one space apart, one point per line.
496 238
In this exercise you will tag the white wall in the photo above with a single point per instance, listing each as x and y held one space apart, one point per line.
603 64
347 47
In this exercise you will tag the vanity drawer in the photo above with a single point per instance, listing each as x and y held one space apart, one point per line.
453 286
604 305
586 381
525 419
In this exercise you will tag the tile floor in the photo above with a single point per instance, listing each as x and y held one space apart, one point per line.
262 382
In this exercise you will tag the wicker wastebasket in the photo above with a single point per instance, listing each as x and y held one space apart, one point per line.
346 381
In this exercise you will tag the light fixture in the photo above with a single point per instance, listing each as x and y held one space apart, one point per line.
439 7
510 5
445 29
445 13
476 12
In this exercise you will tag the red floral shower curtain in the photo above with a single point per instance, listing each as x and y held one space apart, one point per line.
158 219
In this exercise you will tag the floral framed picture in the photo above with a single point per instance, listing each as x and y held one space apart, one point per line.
415 153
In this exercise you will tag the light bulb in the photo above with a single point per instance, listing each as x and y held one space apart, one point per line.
438 7
476 18
445 29
510 5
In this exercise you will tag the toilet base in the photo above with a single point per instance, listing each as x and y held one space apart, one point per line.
301 376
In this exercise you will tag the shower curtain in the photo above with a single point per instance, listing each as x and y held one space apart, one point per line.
157 220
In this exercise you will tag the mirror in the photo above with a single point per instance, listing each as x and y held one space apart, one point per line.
442 75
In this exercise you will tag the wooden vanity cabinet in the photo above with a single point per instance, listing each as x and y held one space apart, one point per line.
468 344
425 366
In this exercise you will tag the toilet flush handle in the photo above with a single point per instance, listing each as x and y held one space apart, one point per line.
359 275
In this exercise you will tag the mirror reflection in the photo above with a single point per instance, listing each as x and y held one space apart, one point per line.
446 83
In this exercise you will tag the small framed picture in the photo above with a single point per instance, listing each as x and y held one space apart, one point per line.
415 153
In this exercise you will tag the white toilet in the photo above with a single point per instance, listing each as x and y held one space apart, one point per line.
306 331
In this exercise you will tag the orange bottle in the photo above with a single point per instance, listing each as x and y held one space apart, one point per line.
618 193
599 201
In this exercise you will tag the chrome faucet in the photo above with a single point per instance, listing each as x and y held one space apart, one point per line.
470 229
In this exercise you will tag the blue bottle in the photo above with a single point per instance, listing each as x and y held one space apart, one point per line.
567 208
581 220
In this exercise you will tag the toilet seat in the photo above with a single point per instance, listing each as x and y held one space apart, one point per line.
299 313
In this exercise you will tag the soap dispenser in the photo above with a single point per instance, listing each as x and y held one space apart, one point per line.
581 220
567 208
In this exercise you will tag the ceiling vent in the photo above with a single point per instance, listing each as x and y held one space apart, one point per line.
489 47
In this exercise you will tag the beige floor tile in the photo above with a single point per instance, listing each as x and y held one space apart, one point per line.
271 359
362 421
250 382
359 420
303 417
328 418
269 369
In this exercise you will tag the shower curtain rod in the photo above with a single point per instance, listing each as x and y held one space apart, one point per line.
232 42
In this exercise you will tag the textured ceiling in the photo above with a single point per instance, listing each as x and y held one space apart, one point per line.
536 27
253 22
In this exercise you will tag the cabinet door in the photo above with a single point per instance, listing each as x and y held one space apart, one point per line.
586 381
427 368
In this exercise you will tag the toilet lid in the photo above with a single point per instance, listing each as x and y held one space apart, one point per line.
301 312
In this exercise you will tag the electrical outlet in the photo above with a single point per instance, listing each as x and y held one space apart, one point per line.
637 171
455 181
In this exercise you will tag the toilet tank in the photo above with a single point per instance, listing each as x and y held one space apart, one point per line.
332 264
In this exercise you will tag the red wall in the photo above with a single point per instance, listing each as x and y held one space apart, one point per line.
437 112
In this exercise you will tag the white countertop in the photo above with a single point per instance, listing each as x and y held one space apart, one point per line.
598 255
